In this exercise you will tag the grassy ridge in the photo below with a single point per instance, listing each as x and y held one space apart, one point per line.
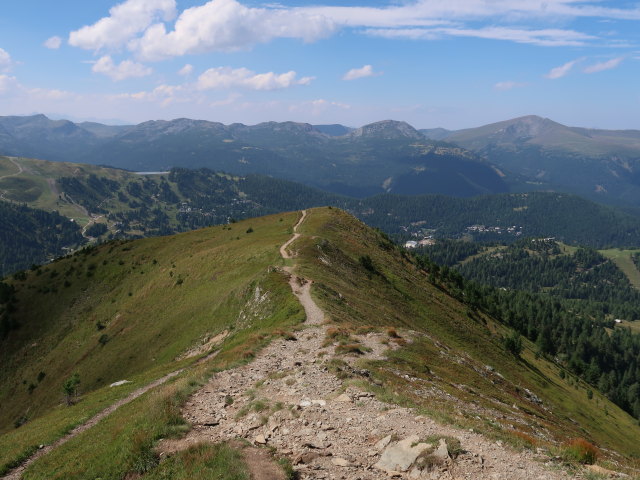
91 313
457 349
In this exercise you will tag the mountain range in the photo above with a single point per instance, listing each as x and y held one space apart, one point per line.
518 155
386 156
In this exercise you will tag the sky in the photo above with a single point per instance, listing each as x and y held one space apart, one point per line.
432 63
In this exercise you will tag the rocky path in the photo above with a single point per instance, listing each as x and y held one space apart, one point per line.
288 399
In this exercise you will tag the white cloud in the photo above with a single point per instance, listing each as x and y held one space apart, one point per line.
10 87
608 65
226 25
163 95
433 12
562 70
186 70
227 77
53 43
121 71
318 107
509 85
543 37
5 61
125 20
365 71
8 84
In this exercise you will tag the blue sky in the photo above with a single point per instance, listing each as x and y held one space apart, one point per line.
449 63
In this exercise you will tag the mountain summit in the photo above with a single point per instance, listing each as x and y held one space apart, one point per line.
387 129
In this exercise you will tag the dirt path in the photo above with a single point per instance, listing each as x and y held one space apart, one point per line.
17 164
283 249
289 400
16 473
19 172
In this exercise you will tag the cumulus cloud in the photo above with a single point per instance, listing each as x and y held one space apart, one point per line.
365 71
186 70
5 61
53 43
227 77
227 25
125 20
508 85
562 70
125 69
143 26
608 65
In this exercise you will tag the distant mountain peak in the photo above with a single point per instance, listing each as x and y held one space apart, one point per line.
388 129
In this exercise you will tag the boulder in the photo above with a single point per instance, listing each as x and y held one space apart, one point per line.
398 457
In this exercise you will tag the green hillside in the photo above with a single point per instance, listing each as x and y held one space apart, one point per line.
115 203
137 310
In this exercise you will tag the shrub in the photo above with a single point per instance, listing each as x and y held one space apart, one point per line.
581 451
513 343
367 263
70 388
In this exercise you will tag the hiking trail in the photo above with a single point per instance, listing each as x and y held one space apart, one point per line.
288 399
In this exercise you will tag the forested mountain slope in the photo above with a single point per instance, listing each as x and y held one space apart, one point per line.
383 156
600 164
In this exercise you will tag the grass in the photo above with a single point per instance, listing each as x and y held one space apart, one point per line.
202 462
127 436
581 451
44 430
622 258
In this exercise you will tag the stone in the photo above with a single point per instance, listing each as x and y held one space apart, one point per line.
304 458
381 444
442 452
341 462
260 440
343 398
119 382
398 457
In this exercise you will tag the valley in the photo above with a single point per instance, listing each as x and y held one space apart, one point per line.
109 203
